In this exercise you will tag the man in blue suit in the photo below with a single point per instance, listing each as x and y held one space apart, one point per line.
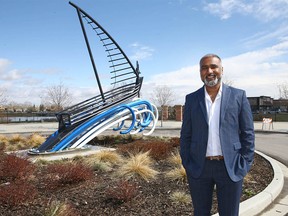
217 141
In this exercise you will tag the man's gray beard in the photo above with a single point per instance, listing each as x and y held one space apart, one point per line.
212 83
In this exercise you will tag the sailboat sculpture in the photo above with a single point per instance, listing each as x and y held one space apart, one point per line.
81 122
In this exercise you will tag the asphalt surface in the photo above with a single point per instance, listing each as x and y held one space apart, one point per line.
273 144
276 146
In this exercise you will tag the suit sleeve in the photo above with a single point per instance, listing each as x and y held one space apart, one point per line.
185 134
247 136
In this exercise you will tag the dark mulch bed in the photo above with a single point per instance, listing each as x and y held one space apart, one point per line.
152 197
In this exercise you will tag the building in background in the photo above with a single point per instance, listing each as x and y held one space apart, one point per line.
267 104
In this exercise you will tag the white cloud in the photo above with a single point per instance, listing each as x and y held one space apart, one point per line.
10 75
22 84
265 10
225 8
279 34
181 82
5 73
270 9
140 51
263 55
4 63
256 72
84 93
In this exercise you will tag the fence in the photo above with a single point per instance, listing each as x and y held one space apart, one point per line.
14 117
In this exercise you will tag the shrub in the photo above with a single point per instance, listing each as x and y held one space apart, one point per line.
58 208
17 193
41 162
100 166
179 197
106 156
248 178
17 142
67 173
2 148
128 148
14 175
3 143
35 140
175 141
13 168
103 160
178 174
175 158
249 192
138 165
112 140
17 139
123 191
158 149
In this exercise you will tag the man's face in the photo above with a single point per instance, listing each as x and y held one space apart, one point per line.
211 71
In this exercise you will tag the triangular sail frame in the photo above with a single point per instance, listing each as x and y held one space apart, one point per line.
125 79
126 84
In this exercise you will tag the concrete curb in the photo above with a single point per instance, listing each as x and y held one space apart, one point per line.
259 202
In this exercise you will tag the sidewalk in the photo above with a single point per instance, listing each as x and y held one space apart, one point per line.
274 127
50 127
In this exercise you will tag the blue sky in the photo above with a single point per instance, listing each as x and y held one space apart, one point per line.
41 44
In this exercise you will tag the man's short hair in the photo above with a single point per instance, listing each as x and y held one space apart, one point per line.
208 56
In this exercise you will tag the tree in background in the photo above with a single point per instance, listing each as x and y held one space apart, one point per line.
3 97
283 90
57 97
162 96
41 107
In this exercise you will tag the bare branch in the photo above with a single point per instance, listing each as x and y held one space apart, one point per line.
283 90
3 97
162 96
58 96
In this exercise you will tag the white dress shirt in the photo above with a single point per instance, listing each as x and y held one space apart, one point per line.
213 114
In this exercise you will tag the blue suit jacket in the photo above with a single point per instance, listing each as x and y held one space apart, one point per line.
236 133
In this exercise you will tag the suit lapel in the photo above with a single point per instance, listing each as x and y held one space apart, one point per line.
201 97
224 101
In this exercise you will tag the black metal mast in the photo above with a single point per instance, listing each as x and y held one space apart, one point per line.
89 50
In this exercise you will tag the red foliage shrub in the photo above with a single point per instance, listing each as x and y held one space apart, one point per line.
13 168
122 192
17 193
67 173
112 140
175 141
15 188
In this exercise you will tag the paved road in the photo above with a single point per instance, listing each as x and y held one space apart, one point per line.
274 145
